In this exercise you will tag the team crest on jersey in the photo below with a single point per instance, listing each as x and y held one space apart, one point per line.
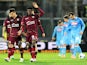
33 16
59 29
74 23
8 21
39 20
18 19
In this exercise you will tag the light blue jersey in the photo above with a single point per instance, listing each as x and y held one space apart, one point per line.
67 36
77 25
58 33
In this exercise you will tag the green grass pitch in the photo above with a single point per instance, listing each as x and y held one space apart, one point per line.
44 59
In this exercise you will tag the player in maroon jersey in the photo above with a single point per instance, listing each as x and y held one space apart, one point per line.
30 24
15 24
6 28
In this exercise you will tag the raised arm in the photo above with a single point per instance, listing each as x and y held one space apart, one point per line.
39 9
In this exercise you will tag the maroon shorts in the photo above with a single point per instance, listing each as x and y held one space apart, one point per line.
31 37
13 40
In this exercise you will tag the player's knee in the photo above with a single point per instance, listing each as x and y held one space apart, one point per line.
10 45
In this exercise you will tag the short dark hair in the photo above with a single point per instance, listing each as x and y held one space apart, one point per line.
59 21
66 17
71 13
12 10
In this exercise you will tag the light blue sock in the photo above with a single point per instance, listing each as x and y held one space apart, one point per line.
64 50
60 50
73 51
79 50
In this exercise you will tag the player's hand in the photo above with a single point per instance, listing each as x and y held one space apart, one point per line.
25 34
43 34
19 32
3 35
35 5
81 33
53 38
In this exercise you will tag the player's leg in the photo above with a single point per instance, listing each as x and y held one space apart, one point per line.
34 48
19 43
63 51
59 47
21 51
72 47
77 47
63 42
10 48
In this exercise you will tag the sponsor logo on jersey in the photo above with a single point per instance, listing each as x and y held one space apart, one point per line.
15 25
74 23
30 22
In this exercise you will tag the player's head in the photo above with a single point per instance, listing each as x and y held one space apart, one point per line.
60 23
12 12
66 18
71 15
30 10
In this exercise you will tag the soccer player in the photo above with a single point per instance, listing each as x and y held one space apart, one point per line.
12 25
77 28
6 31
30 24
67 35
58 34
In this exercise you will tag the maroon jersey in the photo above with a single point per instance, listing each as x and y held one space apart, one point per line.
15 26
7 25
32 22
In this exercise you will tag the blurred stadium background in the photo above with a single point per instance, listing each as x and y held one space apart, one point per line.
54 10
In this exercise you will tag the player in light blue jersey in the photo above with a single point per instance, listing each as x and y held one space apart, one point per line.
66 40
58 34
77 28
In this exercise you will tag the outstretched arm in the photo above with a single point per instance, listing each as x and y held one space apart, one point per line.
39 9
41 28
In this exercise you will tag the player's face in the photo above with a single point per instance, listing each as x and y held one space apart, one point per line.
60 24
71 16
29 11
65 20
12 14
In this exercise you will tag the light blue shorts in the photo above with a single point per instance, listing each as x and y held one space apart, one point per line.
76 39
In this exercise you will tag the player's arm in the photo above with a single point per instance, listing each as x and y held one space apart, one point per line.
82 26
20 30
54 34
41 28
39 9
3 30
23 27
